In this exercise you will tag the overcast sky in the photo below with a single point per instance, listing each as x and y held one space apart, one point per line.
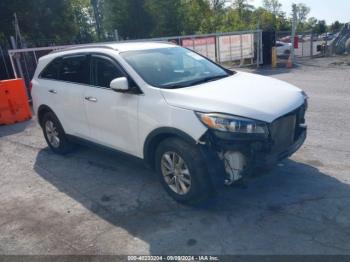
321 9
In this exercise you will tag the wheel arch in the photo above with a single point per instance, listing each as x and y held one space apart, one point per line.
156 137
42 110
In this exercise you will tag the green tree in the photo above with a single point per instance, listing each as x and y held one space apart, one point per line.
45 22
130 18
335 27
302 11
83 18
273 6
196 13
265 19
283 23
311 23
217 5
166 17
321 27
242 6
215 19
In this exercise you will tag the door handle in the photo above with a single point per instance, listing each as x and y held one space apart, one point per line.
52 91
91 99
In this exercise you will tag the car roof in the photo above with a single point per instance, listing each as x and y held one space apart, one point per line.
134 46
115 46
120 46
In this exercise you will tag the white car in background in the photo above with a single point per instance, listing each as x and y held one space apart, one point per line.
283 49
196 123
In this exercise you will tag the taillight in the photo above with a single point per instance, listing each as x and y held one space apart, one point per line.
30 87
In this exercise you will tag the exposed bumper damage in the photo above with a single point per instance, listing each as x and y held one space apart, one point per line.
236 156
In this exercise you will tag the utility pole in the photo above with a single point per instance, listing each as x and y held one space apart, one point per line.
14 43
294 28
17 60
17 32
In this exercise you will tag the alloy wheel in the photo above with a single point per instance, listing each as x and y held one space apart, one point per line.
176 173
52 134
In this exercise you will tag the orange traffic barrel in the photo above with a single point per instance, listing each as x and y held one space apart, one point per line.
14 102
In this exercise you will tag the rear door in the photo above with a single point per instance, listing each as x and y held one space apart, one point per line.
112 115
74 79
47 88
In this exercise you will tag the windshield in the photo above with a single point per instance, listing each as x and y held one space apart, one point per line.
173 67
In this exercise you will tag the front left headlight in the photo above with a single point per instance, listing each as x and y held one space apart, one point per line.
233 124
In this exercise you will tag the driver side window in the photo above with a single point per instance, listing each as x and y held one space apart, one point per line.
104 71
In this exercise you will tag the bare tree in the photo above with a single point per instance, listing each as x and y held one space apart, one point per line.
274 6
302 11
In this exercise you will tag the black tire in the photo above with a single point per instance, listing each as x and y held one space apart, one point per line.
64 145
201 187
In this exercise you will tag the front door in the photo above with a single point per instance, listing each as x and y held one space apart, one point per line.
112 115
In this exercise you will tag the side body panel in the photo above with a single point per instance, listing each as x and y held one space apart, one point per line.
113 118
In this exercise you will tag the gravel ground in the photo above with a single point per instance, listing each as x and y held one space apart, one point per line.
95 202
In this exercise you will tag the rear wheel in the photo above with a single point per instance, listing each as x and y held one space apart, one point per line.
182 171
55 135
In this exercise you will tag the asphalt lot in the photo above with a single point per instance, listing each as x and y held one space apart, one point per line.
96 202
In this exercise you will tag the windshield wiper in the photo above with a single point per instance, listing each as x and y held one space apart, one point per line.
195 82
207 79
174 86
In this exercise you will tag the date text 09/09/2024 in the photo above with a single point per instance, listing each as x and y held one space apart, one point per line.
173 258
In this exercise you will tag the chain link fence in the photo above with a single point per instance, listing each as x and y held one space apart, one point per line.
305 44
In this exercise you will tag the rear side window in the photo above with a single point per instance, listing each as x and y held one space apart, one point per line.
52 70
105 70
75 69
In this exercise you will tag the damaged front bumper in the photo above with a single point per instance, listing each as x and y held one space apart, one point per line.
263 159
230 157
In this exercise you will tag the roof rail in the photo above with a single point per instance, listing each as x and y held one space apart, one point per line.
82 47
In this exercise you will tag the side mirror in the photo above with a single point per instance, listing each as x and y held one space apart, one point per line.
120 84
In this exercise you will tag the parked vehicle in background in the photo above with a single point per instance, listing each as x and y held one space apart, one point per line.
283 49
196 123
328 36
288 39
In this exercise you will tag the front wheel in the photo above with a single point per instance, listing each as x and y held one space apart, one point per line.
182 171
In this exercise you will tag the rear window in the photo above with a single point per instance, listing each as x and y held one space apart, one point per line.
52 70
73 69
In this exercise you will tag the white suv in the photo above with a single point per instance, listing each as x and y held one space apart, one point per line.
198 124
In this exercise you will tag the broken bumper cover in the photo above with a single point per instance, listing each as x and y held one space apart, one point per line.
258 153
265 159
240 154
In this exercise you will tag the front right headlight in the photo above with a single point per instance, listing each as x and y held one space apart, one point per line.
306 98
233 124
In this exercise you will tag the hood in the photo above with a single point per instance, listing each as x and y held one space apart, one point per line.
242 94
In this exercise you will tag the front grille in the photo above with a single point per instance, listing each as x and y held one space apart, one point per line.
286 130
283 133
